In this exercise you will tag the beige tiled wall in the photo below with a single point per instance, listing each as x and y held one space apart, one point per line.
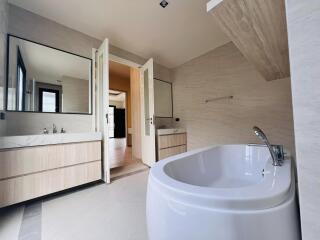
223 72
303 19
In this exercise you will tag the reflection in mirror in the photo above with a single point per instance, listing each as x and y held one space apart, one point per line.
44 79
163 99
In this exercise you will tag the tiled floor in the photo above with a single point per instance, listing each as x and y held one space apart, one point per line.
115 212
119 152
127 170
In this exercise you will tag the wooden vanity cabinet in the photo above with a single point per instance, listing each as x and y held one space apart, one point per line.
31 172
171 144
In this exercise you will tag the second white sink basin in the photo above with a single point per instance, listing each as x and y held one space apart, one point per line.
168 131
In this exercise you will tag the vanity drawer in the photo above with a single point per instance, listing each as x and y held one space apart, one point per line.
27 187
22 161
164 153
167 141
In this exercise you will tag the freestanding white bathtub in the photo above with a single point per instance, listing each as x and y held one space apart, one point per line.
230 192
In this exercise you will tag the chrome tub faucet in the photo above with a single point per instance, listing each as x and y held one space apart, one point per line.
276 151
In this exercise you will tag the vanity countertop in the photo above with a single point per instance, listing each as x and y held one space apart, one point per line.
47 139
169 131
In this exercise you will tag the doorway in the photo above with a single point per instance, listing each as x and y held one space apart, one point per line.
121 158
119 149
141 92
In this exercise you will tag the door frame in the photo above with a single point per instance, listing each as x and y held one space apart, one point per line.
124 61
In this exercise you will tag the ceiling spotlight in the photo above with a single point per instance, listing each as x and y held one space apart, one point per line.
164 3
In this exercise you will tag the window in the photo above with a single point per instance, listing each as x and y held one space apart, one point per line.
48 100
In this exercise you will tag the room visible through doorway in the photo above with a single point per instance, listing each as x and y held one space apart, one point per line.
121 158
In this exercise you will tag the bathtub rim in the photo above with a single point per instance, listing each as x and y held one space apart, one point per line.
272 191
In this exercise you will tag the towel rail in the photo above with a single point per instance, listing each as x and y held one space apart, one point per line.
218 98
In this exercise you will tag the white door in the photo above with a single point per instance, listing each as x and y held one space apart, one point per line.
103 104
147 114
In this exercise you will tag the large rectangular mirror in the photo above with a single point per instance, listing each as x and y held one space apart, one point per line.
163 105
45 79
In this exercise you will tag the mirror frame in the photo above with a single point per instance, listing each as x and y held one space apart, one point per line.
170 83
41 44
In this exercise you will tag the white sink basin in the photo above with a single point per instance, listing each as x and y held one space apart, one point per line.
47 139
169 131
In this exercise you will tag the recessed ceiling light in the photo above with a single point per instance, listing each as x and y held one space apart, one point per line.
164 3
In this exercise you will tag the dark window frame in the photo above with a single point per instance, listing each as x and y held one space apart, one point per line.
21 65
41 90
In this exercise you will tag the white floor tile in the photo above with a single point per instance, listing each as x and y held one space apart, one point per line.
115 212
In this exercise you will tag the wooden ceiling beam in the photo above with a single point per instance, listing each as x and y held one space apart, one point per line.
258 28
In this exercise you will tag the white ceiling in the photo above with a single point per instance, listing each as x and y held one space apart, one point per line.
172 36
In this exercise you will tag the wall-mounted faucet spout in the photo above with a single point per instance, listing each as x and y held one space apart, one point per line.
54 128
275 151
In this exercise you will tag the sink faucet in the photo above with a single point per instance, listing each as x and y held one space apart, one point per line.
276 151
54 129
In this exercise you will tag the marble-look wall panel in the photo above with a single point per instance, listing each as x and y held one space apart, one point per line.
303 19
3 43
225 72
39 29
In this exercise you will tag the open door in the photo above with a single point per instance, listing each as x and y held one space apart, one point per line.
147 114
102 81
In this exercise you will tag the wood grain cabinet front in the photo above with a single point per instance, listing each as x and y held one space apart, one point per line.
173 140
171 144
168 152
28 173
